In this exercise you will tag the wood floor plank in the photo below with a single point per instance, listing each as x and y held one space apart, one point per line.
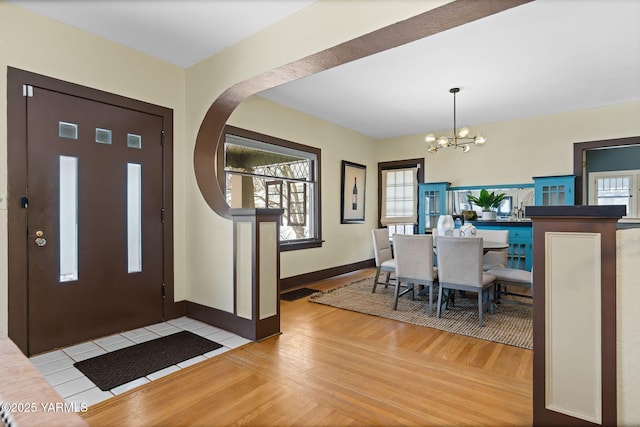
333 367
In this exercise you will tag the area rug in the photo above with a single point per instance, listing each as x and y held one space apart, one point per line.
297 294
127 364
511 324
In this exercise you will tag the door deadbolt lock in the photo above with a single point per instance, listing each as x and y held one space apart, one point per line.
41 241
39 233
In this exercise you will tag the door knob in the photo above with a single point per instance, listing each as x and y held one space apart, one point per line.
40 241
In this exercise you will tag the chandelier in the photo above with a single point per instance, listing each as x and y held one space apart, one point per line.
460 139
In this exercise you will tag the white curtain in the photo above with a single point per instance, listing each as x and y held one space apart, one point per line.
399 196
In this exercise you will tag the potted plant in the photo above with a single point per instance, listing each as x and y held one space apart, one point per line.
488 202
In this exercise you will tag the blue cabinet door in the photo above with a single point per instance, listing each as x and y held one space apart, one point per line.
554 190
520 244
432 202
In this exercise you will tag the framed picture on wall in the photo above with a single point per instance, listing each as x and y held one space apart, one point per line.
353 190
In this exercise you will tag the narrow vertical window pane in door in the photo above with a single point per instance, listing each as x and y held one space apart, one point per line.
134 217
68 218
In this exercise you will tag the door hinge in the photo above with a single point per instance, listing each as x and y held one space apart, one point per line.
162 215
163 290
162 138
27 91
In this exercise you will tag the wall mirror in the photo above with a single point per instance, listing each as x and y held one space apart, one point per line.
517 196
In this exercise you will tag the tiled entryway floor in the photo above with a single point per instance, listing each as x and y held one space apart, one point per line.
57 366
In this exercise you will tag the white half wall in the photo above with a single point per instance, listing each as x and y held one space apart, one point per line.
628 319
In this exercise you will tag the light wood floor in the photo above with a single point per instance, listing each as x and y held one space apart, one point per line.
333 367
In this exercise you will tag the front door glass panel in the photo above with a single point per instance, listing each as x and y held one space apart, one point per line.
68 218
134 217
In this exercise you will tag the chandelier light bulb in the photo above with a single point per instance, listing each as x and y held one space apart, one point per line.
443 141
430 138
463 132
479 140
466 148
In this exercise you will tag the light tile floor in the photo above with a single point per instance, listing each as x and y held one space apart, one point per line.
57 366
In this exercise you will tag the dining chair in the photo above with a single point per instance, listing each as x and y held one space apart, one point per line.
383 256
494 259
414 266
460 268
512 277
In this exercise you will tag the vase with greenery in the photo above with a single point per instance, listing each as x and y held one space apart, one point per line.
488 202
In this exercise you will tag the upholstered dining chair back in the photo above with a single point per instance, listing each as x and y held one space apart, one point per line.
460 268
414 265
494 259
414 256
460 260
381 246
383 256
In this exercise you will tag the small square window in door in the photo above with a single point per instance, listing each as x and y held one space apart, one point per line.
134 141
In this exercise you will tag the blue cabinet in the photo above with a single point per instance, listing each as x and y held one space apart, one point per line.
554 190
520 241
432 202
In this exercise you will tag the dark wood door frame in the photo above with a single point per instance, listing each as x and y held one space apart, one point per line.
17 92
579 158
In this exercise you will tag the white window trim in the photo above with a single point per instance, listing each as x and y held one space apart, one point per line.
634 190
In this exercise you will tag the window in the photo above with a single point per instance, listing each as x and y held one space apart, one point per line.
398 194
267 172
616 188
400 229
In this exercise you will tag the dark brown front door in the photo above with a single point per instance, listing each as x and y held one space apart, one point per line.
94 217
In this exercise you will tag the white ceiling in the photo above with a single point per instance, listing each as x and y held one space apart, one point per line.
182 32
544 57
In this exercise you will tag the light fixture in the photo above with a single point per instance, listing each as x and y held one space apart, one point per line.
460 139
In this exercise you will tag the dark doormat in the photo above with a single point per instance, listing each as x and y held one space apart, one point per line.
127 364
297 294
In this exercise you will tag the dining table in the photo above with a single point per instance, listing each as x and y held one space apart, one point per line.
487 245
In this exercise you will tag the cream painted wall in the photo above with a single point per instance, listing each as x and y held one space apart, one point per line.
40 45
46 47
343 242
517 150
525 148
209 279
209 237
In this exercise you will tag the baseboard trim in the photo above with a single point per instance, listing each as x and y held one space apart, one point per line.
246 328
221 319
175 310
315 276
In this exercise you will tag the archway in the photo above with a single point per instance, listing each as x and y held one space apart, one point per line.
426 24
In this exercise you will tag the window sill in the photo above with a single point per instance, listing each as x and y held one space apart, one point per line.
306 244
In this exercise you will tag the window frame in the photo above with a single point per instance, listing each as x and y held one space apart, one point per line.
316 211
634 190
398 164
